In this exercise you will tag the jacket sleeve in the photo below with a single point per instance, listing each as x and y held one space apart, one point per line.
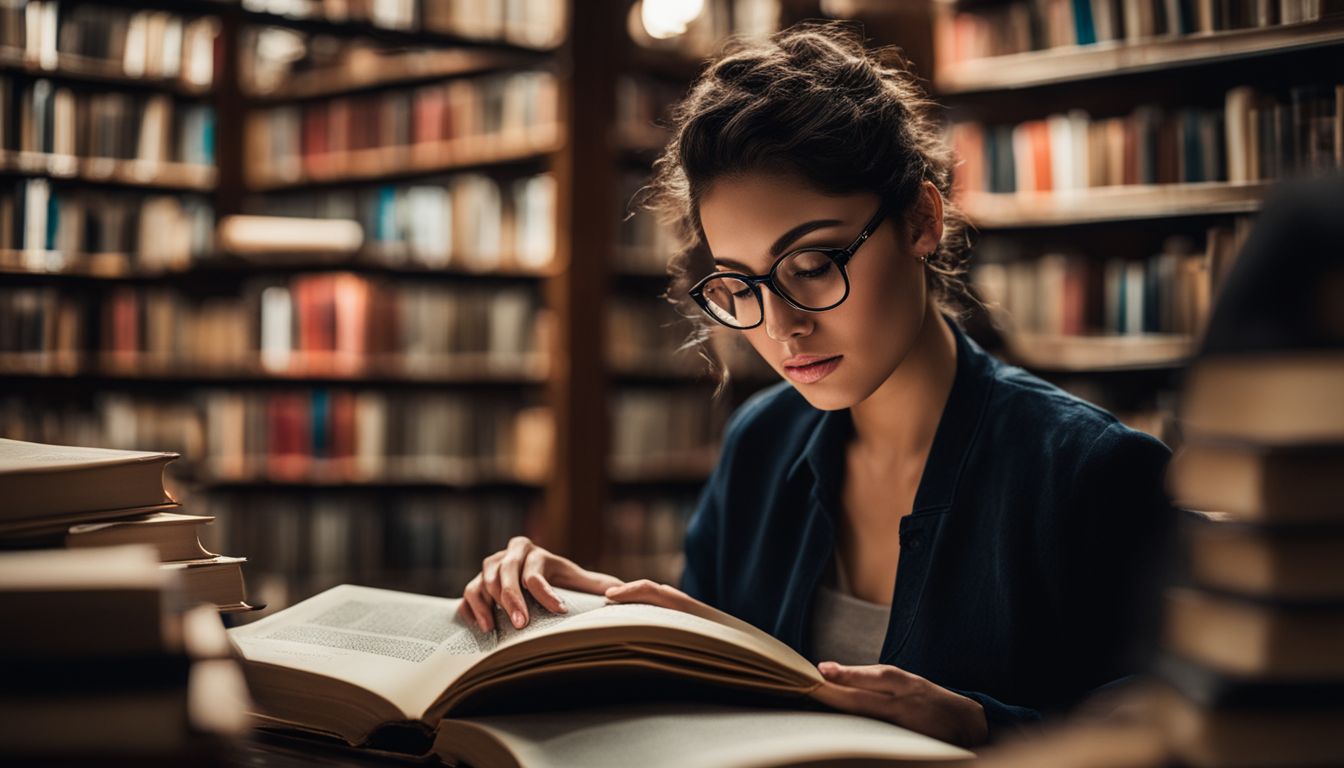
1118 553
699 577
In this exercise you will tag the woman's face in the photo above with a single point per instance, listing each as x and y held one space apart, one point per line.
838 357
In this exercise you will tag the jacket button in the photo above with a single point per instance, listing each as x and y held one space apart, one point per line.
912 542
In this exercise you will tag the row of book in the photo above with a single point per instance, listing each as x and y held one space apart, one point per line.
427 541
319 435
645 535
74 122
642 105
1074 294
463 120
1019 26
80 37
81 229
657 432
643 244
338 323
466 221
529 23
645 335
1259 135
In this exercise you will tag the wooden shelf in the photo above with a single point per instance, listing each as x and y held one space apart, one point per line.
333 482
104 170
122 267
397 69
469 370
386 164
1115 58
1119 203
1099 353
82 69
366 28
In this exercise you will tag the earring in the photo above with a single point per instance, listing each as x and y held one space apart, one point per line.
925 258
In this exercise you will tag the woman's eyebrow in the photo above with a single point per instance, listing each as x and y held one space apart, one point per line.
785 240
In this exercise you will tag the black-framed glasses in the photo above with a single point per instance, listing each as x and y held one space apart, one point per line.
811 279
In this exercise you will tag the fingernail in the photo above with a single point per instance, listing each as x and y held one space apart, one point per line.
481 623
560 601
828 668
518 619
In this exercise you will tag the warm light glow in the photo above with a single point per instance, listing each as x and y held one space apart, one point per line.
668 18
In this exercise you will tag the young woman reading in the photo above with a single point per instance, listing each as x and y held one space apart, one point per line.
959 545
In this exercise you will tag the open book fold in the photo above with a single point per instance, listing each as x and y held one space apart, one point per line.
363 664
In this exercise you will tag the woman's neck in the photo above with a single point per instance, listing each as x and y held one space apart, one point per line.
899 419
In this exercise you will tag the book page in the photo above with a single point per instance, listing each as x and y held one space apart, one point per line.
406 648
707 622
22 456
675 735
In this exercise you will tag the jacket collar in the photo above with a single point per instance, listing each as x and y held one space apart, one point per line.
823 455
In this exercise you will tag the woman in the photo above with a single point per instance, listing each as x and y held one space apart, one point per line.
960 545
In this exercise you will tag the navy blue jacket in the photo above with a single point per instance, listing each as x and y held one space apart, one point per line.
1029 562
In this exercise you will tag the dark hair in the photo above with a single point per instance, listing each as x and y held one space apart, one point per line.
813 101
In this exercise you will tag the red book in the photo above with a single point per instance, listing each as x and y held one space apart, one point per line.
315 148
431 112
288 444
342 432
1040 155
122 334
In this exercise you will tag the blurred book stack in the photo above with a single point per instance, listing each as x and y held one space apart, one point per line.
103 663
80 498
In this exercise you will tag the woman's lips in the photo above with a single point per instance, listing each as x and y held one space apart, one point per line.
813 372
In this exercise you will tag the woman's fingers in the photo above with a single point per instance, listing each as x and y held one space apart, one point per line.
510 580
534 578
651 592
479 604
873 677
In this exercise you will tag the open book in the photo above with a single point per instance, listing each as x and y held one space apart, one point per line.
368 665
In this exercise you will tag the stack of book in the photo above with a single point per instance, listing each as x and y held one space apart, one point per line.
76 498
1253 639
103 664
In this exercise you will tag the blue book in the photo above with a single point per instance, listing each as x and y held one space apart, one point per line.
319 422
1084 30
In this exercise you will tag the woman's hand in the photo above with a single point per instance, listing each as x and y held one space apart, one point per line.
524 564
653 593
889 693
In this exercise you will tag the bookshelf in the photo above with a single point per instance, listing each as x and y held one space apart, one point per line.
1114 154
331 451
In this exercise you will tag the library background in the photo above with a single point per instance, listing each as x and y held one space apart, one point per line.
460 338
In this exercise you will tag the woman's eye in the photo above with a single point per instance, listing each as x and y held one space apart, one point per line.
742 294
818 272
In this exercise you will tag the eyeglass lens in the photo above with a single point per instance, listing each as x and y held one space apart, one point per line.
811 279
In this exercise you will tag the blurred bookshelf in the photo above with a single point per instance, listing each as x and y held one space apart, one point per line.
1113 155
490 359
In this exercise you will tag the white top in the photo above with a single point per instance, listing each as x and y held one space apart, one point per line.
846 629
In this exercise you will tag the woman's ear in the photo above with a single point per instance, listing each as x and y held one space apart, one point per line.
926 221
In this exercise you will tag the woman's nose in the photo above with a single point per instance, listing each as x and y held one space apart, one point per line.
783 322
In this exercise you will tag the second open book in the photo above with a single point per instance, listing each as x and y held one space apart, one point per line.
357 663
